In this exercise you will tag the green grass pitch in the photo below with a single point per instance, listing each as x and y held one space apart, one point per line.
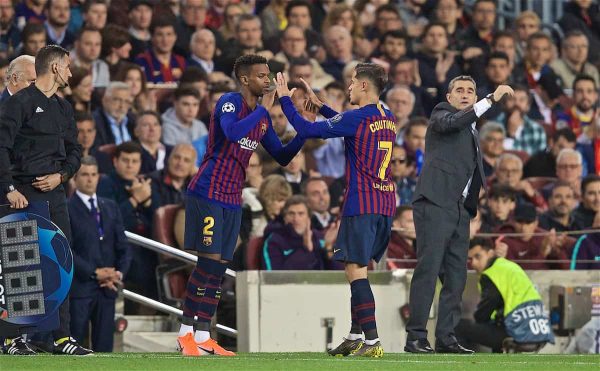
300 361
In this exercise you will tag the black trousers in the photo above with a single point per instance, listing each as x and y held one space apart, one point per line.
443 242
59 215
100 311
472 334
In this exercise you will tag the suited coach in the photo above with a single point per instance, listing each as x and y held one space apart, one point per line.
445 199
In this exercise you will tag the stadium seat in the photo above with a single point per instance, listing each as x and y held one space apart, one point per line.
253 252
511 346
109 149
538 182
163 224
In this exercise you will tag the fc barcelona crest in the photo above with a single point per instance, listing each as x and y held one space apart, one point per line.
263 128
207 240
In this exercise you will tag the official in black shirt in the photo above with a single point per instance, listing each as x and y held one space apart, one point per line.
39 152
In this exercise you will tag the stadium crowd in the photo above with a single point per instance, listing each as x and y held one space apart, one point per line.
147 73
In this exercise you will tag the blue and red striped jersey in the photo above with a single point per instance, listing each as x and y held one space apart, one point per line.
369 134
157 72
234 133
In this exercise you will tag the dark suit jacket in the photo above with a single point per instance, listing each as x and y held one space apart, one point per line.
103 133
89 252
5 95
451 158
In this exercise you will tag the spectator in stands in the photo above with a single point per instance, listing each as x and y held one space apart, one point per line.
437 66
413 16
19 75
80 84
248 40
250 198
293 244
587 213
401 101
491 141
113 120
87 55
339 51
543 163
280 122
405 185
403 240
449 13
232 13
301 69
101 256
504 41
414 136
171 182
573 61
298 13
294 171
387 18
294 46
143 98
34 38
530 245
319 201
272 18
10 35
30 11
527 23
95 13
191 20
203 48
58 14
535 73
560 205
148 131
476 39
392 47
116 47
522 132
159 62
501 202
272 194
509 172
584 16
497 72
254 177
588 245
569 168
180 124
579 118
137 200
343 15
140 17
195 78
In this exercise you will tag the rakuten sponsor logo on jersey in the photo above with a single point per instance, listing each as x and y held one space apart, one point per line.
248 144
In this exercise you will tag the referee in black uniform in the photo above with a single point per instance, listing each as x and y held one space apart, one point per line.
39 152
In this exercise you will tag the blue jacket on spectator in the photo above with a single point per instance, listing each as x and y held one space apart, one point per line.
284 250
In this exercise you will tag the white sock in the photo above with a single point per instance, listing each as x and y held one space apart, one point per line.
201 336
352 336
371 342
184 329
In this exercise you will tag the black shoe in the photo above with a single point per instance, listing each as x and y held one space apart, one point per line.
71 348
18 347
418 346
455 348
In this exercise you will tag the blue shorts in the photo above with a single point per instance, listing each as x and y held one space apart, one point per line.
362 238
210 228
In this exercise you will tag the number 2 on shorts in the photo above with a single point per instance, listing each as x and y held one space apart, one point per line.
209 222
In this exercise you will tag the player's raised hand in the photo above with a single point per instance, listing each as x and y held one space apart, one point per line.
268 99
282 87
313 100
501 91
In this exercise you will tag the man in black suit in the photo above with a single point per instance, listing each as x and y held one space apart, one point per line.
101 257
19 75
444 201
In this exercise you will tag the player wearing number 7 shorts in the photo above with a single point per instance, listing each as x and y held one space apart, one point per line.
510 305
370 198
214 196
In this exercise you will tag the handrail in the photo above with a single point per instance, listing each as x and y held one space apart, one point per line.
166 249
171 310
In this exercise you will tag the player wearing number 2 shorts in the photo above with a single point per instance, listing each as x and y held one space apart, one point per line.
370 199
214 196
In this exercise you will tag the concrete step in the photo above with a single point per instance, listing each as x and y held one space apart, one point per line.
140 342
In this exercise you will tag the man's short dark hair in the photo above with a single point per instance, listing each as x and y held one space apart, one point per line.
414 122
497 55
246 18
88 4
89 161
374 73
243 64
297 85
401 210
32 29
498 191
221 87
566 133
186 91
161 22
485 243
335 85
296 200
560 184
389 8
312 179
395 34
128 147
148 113
113 36
430 25
538 35
301 61
81 116
589 179
48 55
85 29
477 2
193 74
574 33
500 34
297 3
461 78
584 77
